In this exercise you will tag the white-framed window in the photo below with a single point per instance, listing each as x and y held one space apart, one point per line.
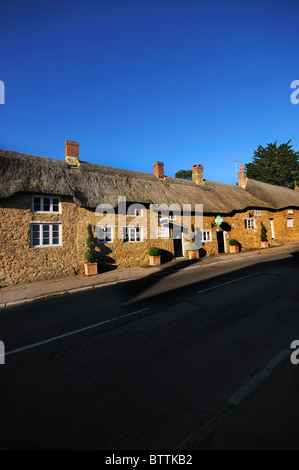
249 223
133 211
45 234
163 232
290 211
45 204
132 234
104 234
257 212
206 236
289 223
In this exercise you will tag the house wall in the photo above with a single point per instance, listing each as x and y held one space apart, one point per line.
19 262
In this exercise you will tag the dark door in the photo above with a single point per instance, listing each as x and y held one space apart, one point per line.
178 248
220 241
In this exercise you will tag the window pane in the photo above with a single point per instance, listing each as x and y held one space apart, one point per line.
108 234
55 205
46 234
35 235
55 234
46 204
36 203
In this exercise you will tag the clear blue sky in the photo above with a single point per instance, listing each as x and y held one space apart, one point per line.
136 81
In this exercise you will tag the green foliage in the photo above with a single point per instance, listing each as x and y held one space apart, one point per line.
154 251
275 165
90 253
264 231
184 174
233 242
193 238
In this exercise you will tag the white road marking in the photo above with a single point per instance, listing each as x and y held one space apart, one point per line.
229 282
70 333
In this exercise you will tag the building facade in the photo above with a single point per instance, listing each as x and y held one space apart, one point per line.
47 204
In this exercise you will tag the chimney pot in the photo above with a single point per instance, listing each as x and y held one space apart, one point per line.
159 170
242 177
72 153
197 174
296 186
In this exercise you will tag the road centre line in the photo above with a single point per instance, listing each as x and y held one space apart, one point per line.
70 333
229 282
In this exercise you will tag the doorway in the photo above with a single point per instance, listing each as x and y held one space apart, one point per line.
220 241
178 246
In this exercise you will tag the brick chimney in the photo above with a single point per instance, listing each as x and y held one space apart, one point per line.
296 186
159 170
72 153
197 174
242 177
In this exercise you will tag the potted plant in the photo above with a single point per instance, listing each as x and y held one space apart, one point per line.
193 251
264 238
91 267
234 246
154 256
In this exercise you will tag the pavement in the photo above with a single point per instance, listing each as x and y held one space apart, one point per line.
262 415
23 293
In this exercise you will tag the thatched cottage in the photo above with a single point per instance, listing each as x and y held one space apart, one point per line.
47 204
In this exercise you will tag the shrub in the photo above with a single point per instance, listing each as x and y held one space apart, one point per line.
90 253
264 231
154 251
233 242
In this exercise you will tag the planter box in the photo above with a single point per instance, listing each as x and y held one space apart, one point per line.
234 248
154 260
264 244
91 268
193 254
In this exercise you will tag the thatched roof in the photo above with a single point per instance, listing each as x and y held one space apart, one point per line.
277 196
91 184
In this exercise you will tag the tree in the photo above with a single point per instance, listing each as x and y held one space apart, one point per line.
184 174
275 165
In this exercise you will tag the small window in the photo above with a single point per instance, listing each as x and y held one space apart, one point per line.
257 212
289 223
249 223
132 234
163 232
45 234
134 211
290 211
104 234
45 204
206 235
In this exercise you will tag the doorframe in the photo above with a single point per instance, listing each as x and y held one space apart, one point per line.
224 241
272 229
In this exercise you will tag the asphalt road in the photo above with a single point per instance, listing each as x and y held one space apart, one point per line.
146 363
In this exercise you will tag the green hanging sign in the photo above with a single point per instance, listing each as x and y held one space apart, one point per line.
218 220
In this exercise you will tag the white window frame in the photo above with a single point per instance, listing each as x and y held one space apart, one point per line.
257 212
104 228
204 234
290 223
290 211
127 234
160 231
249 222
42 198
40 225
137 212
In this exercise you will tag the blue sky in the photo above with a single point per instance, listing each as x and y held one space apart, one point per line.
136 81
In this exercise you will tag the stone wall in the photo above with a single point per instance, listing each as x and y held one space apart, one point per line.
19 262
